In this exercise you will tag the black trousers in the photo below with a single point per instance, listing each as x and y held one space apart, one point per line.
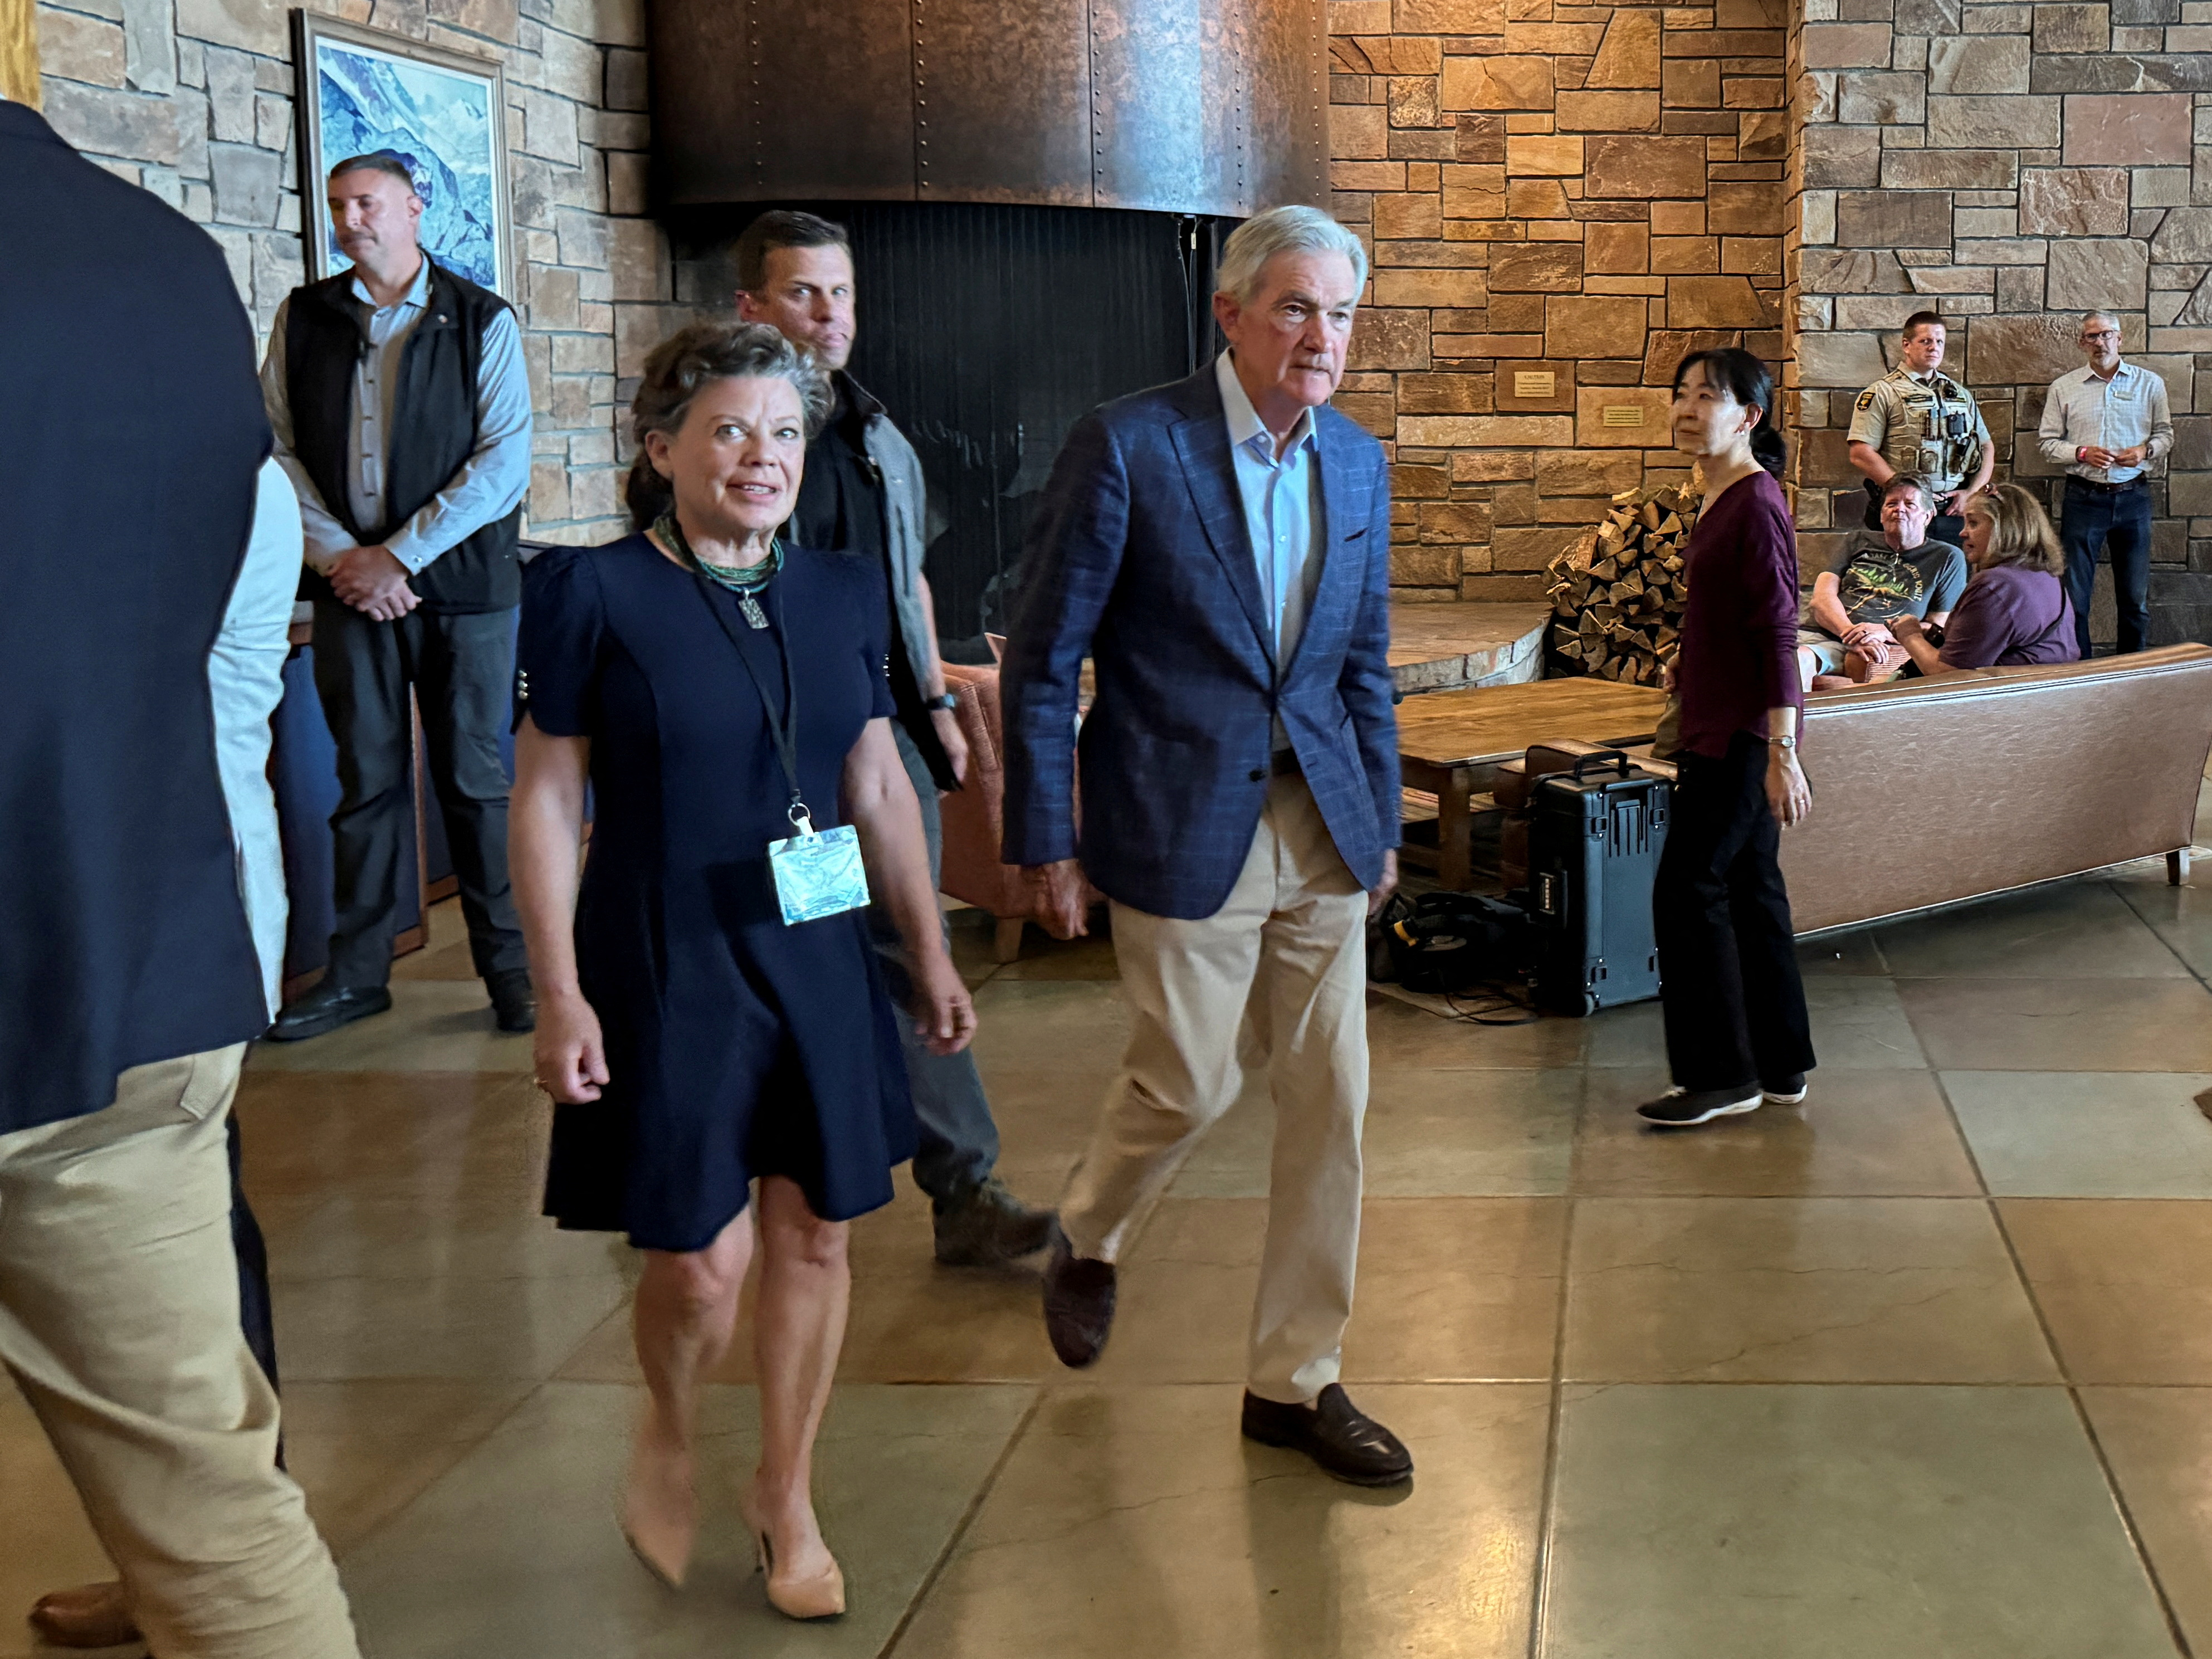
1734 1002
255 1314
460 668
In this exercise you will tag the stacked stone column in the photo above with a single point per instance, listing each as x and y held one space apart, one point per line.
1561 201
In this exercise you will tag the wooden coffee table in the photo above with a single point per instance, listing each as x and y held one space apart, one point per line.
1445 738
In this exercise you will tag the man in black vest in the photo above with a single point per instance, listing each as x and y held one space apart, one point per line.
128 986
402 411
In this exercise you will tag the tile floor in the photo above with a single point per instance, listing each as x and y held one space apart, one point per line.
1923 1369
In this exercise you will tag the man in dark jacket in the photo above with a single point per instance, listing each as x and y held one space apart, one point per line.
128 981
402 411
862 494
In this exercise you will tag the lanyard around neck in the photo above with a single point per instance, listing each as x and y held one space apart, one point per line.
785 729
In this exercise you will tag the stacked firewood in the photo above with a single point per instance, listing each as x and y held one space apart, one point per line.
1617 594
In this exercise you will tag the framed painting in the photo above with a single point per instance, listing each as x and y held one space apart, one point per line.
442 113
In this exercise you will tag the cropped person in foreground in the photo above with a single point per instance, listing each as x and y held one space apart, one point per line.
1220 549
1737 1032
128 981
2016 610
721 695
246 677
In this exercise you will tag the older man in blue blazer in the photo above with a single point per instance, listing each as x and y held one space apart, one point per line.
1219 547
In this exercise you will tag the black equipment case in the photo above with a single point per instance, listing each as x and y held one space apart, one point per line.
1595 836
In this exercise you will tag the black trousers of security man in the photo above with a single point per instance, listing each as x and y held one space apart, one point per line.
460 668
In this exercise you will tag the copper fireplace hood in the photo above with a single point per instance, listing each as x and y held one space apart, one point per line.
1206 107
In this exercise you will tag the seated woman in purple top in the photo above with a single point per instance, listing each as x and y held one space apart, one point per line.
1737 1033
2015 609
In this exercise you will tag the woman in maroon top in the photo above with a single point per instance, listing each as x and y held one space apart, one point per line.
2015 609
1737 1028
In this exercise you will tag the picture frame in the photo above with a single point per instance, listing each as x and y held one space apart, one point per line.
444 113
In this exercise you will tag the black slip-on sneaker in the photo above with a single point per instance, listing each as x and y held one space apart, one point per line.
1685 1109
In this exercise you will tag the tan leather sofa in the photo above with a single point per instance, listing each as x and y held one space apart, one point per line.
1926 792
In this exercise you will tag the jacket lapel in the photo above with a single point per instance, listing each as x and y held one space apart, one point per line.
1201 445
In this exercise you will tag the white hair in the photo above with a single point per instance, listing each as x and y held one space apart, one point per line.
2102 317
1283 230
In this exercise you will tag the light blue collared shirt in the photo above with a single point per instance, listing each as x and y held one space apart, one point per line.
1282 510
2129 408
246 675
490 482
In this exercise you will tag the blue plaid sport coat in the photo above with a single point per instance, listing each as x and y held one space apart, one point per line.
1138 558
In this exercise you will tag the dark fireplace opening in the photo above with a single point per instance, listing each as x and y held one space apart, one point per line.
988 330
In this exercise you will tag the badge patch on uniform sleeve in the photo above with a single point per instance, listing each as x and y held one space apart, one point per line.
1865 399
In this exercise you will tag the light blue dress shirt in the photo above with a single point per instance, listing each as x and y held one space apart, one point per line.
490 482
1282 510
2130 408
246 675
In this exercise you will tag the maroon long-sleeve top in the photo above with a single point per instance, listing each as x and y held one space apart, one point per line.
1738 654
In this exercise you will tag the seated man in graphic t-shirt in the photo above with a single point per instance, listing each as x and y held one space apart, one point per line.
1845 638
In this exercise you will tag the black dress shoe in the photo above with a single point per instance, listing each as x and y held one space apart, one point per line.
1078 1304
1335 1433
327 1007
514 1004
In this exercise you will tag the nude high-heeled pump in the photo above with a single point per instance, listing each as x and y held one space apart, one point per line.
821 1595
662 1547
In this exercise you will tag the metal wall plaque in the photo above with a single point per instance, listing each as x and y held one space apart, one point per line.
1624 415
1534 383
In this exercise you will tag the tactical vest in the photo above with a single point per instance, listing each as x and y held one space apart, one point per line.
432 433
1932 431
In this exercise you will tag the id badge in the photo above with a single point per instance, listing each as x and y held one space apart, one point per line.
818 872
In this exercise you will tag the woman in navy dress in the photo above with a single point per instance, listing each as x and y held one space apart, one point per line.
693 1041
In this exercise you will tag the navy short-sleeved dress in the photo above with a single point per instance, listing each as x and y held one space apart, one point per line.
738 1046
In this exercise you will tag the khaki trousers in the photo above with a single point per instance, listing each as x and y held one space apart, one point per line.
118 1320
1287 949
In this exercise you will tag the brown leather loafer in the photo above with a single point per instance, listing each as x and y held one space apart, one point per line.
1078 1304
90 1616
1335 1433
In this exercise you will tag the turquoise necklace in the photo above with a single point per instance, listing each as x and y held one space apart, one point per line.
746 583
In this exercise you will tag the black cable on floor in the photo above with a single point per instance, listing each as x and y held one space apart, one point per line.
1514 998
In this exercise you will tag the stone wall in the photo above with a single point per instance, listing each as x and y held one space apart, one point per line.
1561 200
2009 166
193 99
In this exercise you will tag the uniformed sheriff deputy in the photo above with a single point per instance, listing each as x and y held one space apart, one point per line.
1918 419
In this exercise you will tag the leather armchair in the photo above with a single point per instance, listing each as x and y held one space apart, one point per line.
974 815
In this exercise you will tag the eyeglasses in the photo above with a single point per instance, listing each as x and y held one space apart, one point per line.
2101 337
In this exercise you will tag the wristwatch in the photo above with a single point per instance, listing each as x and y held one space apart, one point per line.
1782 743
944 700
